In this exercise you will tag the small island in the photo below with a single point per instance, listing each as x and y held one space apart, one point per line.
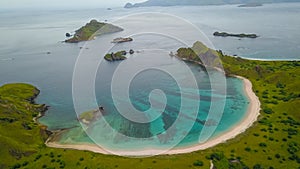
121 40
121 55
92 29
251 5
242 35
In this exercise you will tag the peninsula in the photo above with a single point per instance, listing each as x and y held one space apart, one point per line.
241 35
92 29
275 83
271 87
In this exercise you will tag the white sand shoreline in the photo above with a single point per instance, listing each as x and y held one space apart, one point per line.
250 117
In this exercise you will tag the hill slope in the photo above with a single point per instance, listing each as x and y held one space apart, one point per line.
200 2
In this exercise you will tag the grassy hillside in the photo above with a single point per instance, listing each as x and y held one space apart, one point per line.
92 29
20 136
273 142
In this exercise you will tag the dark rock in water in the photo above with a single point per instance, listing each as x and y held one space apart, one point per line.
131 51
171 54
242 35
128 5
109 9
48 53
251 5
68 35
121 40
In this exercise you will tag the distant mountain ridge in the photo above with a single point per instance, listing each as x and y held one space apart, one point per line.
199 2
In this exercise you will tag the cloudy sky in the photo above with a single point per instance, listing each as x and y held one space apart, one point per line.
63 3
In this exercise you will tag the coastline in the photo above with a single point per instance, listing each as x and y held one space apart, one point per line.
250 117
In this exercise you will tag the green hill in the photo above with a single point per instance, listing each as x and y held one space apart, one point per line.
92 29
272 142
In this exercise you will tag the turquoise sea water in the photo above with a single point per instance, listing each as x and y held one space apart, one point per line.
28 37
141 86
139 91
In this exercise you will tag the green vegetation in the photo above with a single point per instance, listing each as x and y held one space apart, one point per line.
115 56
241 35
199 53
272 142
20 136
92 29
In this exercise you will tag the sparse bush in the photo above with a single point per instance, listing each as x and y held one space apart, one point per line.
198 163
268 111
25 163
51 154
38 157
256 134
280 85
248 149
257 166
16 166
262 144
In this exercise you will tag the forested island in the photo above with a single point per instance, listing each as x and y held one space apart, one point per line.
120 55
92 29
241 35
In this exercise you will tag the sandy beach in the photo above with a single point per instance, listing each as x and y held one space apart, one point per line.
250 117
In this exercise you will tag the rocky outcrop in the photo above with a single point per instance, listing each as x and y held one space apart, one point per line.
91 116
128 5
121 40
241 35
